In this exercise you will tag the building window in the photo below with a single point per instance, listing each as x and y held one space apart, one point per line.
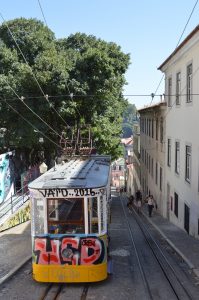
188 163
177 157
147 160
169 153
157 129
152 167
178 88
189 83
149 127
161 130
156 173
198 226
149 164
169 91
152 133
171 202
176 204
160 178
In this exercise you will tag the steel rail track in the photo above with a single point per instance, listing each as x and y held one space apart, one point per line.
146 285
53 291
178 288
167 269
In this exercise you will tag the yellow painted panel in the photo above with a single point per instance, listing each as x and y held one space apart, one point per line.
68 273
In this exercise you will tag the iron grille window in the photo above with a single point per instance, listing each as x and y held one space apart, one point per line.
149 164
169 91
198 226
178 88
188 164
149 127
169 152
156 173
160 178
161 130
177 157
152 167
152 134
157 125
176 204
189 83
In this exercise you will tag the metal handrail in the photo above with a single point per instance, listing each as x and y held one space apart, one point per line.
13 204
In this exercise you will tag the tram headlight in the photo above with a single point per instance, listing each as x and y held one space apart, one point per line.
67 253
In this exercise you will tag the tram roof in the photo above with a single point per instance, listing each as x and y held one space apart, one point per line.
90 173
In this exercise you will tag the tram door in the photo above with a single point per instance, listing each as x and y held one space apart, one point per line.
186 218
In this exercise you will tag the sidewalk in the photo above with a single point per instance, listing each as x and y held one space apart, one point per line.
15 249
185 245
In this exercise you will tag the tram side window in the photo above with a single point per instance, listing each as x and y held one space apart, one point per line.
37 217
102 202
92 215
65 216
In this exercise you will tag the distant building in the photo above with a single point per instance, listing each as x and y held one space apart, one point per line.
118 173
133 165
128 156
128 148
152 152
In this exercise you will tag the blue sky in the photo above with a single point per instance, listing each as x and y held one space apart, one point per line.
148 30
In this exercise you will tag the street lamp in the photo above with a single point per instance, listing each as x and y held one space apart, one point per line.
43 168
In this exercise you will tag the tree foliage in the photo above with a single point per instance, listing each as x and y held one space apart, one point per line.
129 116
83 77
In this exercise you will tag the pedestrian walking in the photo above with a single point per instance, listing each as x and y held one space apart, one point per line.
130 202
139 205
138 195
151 204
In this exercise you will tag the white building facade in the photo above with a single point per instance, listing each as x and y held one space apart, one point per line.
133 167
152 153
181 71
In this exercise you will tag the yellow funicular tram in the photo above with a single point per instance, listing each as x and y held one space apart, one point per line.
70 212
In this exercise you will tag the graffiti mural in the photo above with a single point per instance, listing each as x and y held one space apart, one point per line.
70 250
6 176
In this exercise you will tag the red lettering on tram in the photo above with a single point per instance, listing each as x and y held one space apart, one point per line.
90 251
45 256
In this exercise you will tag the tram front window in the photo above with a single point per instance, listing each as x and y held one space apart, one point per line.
65 216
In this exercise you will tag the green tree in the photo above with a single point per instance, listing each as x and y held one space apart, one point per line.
88 68
129 117
129 113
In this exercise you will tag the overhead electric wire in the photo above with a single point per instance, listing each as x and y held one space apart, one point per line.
22 100
45 96
21 52
70 94
177 44
187 23
31 124
42 12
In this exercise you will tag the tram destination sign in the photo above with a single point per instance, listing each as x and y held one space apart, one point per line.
78 192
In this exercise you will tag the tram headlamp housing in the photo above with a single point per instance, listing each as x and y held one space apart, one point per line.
67 253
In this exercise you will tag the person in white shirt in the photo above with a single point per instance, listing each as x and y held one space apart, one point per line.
151 204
